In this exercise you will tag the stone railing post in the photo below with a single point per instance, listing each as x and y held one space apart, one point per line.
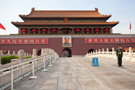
49 51
126 52
46 50
130 53
21 55
107 51
96 52
34 53
89 54
8 53
27 54
1 53
99 51
113 51
42 51
102 50
13 52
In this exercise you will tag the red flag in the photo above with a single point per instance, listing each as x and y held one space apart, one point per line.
130 26
2 27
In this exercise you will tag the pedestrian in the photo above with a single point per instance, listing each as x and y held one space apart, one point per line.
119 54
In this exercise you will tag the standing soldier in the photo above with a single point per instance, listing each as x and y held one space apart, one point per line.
119 54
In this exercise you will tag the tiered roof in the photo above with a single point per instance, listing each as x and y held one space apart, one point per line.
64 14
62 23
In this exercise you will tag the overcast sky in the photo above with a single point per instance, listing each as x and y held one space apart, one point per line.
121 10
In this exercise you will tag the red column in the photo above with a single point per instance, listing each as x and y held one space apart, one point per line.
38 31
28 30
102 31
82 30
72 30
59 31
19 31
92 30
48 30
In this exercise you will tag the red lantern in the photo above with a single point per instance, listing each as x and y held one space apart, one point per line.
106 30
44 30
34 30
54 30
87 30
97 30
23 30
78 30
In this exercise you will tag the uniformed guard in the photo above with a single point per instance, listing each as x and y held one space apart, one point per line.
119 54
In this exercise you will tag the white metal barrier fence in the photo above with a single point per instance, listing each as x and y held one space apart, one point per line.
13 74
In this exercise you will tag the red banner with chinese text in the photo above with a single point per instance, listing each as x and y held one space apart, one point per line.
24 41
109 40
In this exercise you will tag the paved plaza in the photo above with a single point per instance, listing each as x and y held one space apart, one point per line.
76 73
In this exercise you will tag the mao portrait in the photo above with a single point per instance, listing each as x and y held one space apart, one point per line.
66 41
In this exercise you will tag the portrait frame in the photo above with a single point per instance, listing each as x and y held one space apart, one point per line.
63 41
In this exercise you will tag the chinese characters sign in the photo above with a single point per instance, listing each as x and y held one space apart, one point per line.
95 62
109 40
24 41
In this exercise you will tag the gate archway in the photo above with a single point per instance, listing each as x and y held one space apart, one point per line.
68 50
90 50
39 52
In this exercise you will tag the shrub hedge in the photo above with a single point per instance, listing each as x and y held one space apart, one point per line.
7 59
27 57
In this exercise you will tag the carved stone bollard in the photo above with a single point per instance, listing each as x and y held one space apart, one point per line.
8 53
42 51
13 52
113 53
21 55
107 51
102 50
27 54
96 52
34 53
130 53
99 52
